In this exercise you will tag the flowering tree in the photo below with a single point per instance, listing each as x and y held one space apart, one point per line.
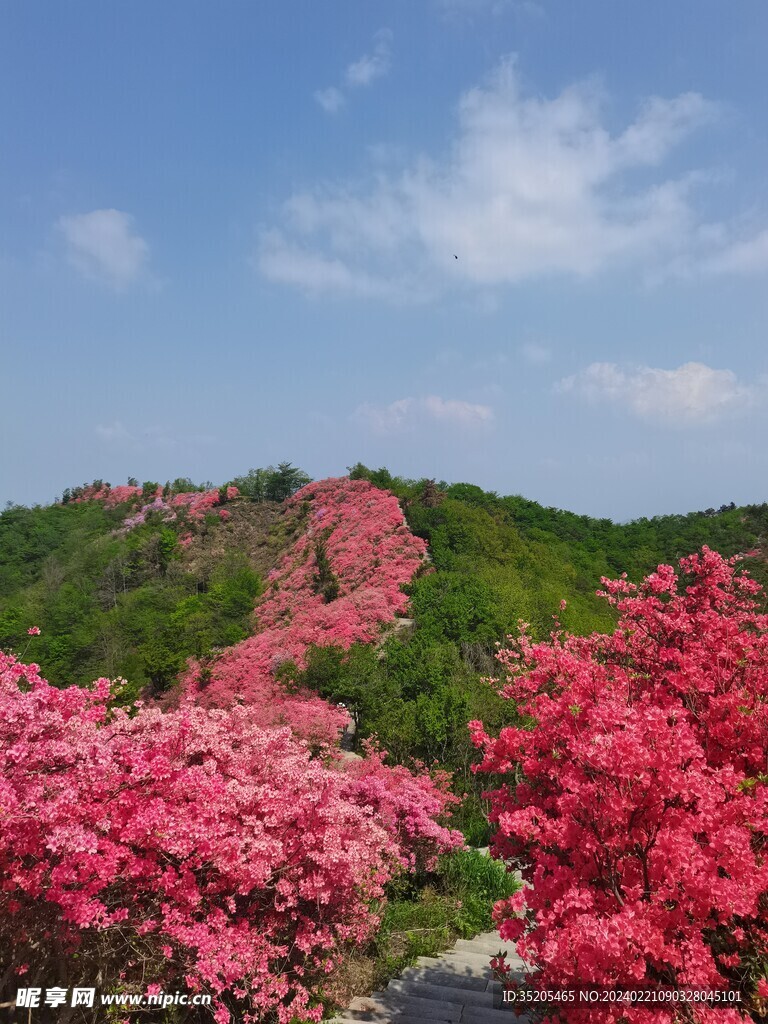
190 849
637 806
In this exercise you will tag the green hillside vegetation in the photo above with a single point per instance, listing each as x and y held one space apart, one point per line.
136 604
139 604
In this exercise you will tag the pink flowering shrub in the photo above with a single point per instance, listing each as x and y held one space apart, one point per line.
120 494
637 807
371 553
158 505
190 849
409 804
111 496
195 503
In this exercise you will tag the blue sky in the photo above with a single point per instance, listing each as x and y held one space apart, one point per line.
229 236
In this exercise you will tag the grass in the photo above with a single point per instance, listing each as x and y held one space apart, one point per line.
424 917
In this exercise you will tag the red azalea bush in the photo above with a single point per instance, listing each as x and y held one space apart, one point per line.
371 554
638 807
190 849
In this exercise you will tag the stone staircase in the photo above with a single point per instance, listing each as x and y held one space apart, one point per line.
457 987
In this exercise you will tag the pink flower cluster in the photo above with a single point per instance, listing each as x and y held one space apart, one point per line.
409 805
158 505
372 554
639 807
111 496
195 503
191 849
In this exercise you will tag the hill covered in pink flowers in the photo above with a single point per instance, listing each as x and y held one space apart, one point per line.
202 830
339 582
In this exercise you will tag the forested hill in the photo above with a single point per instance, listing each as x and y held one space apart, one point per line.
131 581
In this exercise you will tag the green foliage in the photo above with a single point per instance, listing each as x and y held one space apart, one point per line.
183 485
114 605
425 915
137 606
272 483
457 607
34 541
416 696
325 580
494 561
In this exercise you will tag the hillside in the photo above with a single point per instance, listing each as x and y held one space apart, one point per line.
220 616
137 602
133 582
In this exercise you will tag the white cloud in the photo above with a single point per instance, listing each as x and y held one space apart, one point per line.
103 245
360 73
747 256
529 186
148 438
408 413
456 411
314 272
466 9
372 65
330 99
693 393
115 432
536 354
385 419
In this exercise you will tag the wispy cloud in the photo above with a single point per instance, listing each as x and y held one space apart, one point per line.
360 73
694 393
372 65
147 438
468 9
743 256
317 273
330 99
114 433
104 246
536 354
529 186
408 413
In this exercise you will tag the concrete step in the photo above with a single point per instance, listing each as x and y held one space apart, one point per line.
452 979
426 990
355 1017
479 956
394 1016
457 987
470 958
473 1015
463 968
484 946
428 1009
